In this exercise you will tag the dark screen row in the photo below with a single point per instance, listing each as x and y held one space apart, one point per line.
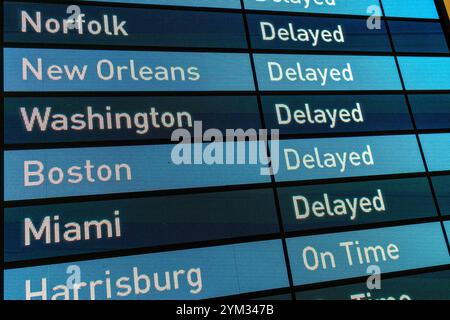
44 23
35 120
124 224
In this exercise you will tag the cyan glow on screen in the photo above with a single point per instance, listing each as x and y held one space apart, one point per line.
139 168
391 155
225 72
210 71
447 228
392 8
351 7
367 73
437 151
224 270
425 73
228 4
425 9
419 246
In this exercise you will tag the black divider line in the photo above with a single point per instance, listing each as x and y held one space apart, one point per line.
444 19
419 143
149 142
120 48
272 178
151 49
382 92
210 190
156 142
212 9
96 94
362 227
137 195
256 295
144 250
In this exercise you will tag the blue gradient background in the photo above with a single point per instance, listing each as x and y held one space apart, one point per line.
353 7
369 73
151 166
392 155
230 4
226 270
420 246
219 71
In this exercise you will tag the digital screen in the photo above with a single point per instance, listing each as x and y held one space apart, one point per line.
235 149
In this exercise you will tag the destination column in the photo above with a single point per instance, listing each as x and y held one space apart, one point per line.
95 180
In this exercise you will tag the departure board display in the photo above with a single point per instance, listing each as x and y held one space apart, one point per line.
230 149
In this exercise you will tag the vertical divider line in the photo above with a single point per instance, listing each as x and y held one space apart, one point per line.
2 223
263 123
411 114
444 19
